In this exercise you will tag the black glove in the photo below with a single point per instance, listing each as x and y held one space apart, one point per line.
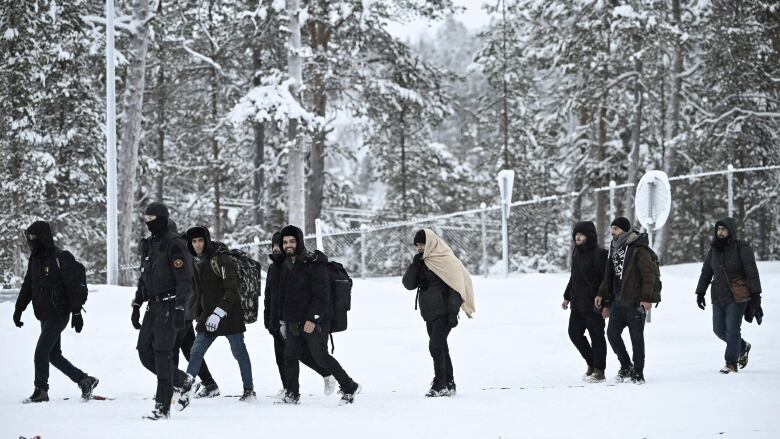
755 305
18 318
453 320
417 259
701 301
77 322
178 318
135 317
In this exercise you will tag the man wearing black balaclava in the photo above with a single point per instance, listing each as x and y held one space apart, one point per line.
166 276
730 260
53 286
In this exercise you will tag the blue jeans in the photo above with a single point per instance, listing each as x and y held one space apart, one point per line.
727 323
202 343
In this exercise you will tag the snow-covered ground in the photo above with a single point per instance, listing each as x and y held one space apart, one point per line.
518 374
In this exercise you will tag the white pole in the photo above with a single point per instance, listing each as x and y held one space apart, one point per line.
363 243
612 185
730 179
112 257
318 234
505 237
483 220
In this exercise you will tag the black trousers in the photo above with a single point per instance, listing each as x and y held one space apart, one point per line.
595 352
49 350
156 340
305 358
621 317
298 342
438 331
184 341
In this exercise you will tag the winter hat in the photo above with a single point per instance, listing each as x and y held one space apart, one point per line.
39 228
419 237
622 223
157 209
276 239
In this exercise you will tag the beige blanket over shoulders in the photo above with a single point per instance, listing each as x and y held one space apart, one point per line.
440 259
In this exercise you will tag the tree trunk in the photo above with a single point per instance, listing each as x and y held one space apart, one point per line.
215 165
295 169
319 34
161 119
131 136
636 134
259 148
601 154
402 143
672 129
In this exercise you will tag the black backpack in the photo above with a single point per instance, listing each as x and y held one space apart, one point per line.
340 296
81 274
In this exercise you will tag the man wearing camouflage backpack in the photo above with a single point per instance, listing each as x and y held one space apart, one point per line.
219 311
627 294
305 289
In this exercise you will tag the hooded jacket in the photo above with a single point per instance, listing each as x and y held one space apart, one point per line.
216 286
588 264
51 281
166 269
632 281
736 258
435 297
272 313
304 283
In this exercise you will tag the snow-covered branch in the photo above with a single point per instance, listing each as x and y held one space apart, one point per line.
120 23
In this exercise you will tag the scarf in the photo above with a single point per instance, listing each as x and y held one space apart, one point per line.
440 259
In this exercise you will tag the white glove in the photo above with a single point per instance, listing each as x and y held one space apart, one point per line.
213 321
283 330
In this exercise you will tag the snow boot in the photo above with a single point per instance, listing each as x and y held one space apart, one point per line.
729 368
596 377
188 388
349 397
330 385
637 377
249 395
158 413
588 371
624 374
87 385
437 390
743 359
210 390
290 398
39 395
452 389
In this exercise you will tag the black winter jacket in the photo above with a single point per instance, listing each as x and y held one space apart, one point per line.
435 297
216 283
588 264
738 261
304 283
272 312
51 282
166 268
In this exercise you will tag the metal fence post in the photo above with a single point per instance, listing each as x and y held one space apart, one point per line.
730 179
612 185
483 220
363 251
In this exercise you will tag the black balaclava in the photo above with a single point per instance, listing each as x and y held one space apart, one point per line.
43 238
160 224
419 237
198 232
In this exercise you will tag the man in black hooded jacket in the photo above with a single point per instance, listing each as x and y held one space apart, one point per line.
727 260
272 316
52 285
166 274
588 263
304 286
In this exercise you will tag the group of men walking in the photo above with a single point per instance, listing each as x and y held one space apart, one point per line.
622 284
190 278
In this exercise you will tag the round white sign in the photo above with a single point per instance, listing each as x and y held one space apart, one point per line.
653 200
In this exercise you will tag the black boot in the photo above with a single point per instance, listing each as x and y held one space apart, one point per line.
452 389
743 359
158 413
624 374
39 395
437 390
348 397
249 395
637 377
87 385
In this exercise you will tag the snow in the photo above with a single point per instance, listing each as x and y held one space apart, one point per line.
518 374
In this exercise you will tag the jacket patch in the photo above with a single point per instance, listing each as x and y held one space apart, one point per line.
178 263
